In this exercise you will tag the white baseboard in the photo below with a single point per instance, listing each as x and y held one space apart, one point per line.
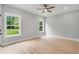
10 43
62 37
70 38
67 38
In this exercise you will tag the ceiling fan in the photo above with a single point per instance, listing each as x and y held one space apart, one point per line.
46 8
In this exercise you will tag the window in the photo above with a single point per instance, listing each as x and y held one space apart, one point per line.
41 25
12 25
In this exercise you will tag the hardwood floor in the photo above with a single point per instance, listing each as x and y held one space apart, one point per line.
43 45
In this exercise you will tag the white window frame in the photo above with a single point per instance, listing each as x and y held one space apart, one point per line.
5 26
42 20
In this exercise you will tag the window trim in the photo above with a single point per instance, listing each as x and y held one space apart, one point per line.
5 26
42 20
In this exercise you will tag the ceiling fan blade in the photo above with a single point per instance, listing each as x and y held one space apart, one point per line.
45 5
51 7
49 11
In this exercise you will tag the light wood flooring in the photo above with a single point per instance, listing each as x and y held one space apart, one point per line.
43 45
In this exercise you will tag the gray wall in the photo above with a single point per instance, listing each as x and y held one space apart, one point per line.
29 24
66 25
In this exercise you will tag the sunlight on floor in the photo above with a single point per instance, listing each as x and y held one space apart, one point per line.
48 36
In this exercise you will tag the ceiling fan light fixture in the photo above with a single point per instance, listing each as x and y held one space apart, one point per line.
45 10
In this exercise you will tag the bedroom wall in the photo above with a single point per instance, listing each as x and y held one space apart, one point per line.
29 25
65 25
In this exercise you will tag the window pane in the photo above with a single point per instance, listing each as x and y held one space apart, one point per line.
15 27
9 22
15 20
41 28
8 18
12 31
9 27
41 23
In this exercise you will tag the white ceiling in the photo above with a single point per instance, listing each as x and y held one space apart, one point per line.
60 8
